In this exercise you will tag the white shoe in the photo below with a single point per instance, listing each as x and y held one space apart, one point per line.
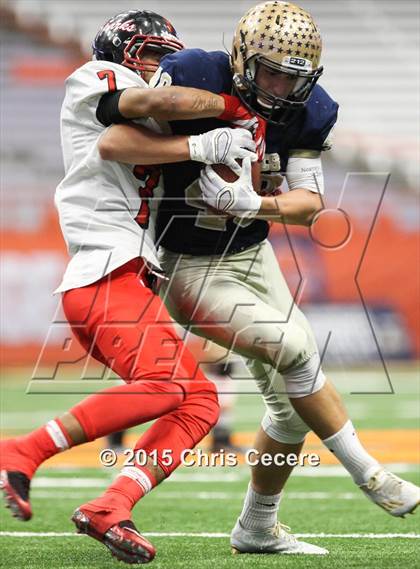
398 497
273 540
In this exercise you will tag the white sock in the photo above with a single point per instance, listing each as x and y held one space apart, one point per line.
349 451
259 511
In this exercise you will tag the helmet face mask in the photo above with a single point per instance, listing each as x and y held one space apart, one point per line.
134 52
127 38
283 39
274 109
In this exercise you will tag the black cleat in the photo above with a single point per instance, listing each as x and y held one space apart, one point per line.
122 539
15 486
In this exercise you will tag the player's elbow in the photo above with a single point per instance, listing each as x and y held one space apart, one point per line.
313 205
107 147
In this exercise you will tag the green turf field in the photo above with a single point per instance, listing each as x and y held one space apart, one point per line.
190 516
316 505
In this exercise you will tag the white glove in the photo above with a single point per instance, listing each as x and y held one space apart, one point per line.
223 146
256 126
236 198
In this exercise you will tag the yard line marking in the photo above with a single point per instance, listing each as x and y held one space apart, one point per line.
221 535
217 474
50 494
161 494
360 535
240 495
339 471
38 534
220 475
71 482
64 482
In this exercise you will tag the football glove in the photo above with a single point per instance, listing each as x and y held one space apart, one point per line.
223 146
235 198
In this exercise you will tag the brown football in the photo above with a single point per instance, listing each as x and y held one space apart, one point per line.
229 176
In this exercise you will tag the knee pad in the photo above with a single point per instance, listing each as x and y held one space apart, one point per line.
289 431
304 379
290 348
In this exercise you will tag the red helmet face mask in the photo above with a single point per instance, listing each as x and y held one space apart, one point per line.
134 52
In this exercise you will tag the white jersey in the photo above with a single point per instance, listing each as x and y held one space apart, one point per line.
98 200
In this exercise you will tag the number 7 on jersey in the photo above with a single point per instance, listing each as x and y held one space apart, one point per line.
110 76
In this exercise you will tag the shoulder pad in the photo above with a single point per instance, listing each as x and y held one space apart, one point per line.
198 68
319 117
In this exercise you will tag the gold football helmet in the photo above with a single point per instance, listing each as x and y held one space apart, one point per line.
285 39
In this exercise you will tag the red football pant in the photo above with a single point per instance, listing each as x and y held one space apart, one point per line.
125 326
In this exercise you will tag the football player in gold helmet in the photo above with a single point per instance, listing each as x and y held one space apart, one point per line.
276 63
237 295
276 59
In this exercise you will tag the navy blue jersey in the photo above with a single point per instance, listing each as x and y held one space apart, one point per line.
184 224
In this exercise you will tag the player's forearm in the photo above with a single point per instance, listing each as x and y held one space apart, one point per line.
296 207
170 103
134 144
